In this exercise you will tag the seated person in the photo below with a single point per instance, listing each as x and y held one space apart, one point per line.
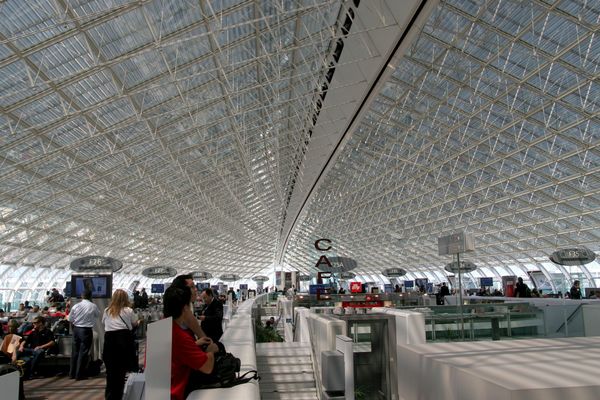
27 324
10 343
35 346
186 355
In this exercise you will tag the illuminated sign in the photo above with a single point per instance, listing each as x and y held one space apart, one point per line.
362 304
355 287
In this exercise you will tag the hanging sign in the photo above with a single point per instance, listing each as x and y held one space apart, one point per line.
394 272
201 275
95 263
465 266
573 256
160 272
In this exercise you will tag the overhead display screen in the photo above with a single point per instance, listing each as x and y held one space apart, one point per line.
100 285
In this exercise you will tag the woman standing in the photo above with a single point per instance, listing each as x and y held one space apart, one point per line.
118 320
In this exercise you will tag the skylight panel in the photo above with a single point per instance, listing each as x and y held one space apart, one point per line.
18 81
553 33
64 59
41 112
92 90
32 22
121 34
114 112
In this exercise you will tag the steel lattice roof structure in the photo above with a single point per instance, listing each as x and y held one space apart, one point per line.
228 135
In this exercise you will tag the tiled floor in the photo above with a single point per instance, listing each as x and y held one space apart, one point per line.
63 388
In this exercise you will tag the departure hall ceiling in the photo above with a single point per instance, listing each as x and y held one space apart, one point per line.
227 136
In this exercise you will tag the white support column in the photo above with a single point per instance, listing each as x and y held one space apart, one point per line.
344 345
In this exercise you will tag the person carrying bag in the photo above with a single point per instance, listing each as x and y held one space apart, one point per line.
119 322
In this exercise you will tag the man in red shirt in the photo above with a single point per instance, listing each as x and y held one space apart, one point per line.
186 356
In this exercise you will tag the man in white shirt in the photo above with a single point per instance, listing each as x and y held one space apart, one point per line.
83 317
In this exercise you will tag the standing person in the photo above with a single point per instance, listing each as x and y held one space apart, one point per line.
83 317
118 319
137 299
575 292
212 315
521 289
143 299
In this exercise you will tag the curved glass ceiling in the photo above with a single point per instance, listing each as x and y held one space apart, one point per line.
175 133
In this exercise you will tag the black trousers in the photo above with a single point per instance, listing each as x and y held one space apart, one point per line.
116 359
82 344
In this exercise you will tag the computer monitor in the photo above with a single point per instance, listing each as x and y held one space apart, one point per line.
99 284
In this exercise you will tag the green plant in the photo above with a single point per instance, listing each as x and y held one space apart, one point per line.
266 335
360 392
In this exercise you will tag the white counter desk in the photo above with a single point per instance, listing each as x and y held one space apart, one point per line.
533 369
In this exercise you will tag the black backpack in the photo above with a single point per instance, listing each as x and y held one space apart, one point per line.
225 374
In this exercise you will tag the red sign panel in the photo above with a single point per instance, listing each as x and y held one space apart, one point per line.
355 287
361 304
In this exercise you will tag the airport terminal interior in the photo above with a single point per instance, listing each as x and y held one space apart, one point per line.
396 199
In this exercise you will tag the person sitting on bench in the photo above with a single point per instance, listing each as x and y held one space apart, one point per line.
186 355
34 347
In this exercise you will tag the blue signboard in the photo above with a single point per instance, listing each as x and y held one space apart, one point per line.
409 284
157 288
388 288
486 281
243 286
312 289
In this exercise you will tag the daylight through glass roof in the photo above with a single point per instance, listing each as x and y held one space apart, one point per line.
187 133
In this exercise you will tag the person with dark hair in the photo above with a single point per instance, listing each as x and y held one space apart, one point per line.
34 347
187 280
186 355
83 317
575 292
143 299
212 315
521 289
